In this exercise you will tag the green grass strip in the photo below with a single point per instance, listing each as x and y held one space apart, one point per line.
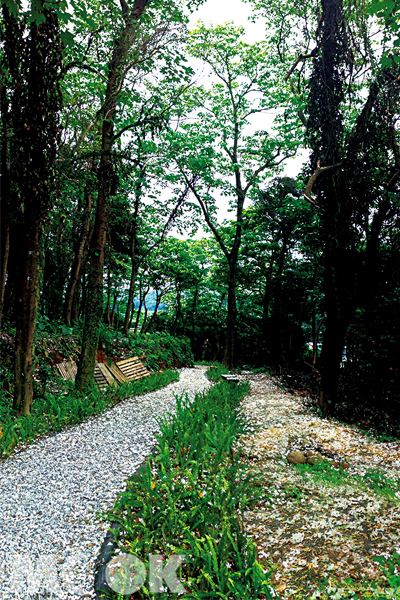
190 498
215 371
373 479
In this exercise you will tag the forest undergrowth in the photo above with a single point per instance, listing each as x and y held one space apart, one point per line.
57 404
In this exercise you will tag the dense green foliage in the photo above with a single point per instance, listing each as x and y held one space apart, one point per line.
304 276
189 500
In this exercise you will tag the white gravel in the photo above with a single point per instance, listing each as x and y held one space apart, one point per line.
51 491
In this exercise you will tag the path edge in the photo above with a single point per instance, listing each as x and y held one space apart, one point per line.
110 543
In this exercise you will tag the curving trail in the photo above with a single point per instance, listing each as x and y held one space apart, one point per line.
51 492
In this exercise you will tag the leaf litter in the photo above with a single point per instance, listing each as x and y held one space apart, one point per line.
319 530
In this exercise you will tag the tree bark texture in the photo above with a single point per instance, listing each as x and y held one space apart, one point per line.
77 261
35 105
106 178
229 350
326 134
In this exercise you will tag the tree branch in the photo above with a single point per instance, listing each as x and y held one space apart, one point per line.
311 181
124 8
299 59
206 215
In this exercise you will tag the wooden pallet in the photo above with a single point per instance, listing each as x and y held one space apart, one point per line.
117 373
132 368
129 369
103 376
67 370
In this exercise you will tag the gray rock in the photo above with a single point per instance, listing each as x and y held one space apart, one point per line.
296 458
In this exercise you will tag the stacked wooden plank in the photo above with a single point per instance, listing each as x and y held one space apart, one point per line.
129 369
132 368
117 373
103 376
67 370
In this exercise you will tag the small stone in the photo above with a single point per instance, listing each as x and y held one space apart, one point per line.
344 465
296 458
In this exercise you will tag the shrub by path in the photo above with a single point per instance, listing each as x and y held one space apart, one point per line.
323 525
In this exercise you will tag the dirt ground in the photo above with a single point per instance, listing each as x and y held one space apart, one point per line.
319 532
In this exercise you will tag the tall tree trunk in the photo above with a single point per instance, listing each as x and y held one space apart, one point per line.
35 105
77 262
131 294
113 308
6 200
315 335
229 351
94 300
139 310
106 180
5 251
146 310
23 386
108 319
326 134
75 302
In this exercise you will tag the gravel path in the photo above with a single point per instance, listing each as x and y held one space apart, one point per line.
51 492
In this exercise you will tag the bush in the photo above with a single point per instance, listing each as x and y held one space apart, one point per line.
162 350
155 350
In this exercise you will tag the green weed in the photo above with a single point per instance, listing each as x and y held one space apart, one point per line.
390 567
373 479
189 499
215 371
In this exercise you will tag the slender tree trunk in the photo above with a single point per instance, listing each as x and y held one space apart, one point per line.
106 179
131 294
94 302
139 310
113 308
146 310
5 252
229 350
5 189
77 262
23 386
75 302
315 340
108 319
132 313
